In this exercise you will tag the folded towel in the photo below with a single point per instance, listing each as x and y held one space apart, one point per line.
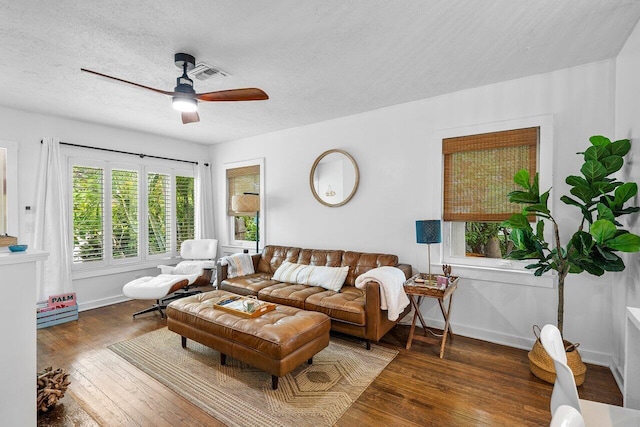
239 265
392 295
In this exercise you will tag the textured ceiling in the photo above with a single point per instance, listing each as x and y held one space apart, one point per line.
317 60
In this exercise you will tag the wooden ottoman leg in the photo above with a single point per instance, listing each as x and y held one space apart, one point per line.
310 361
184 342
274 382
223 359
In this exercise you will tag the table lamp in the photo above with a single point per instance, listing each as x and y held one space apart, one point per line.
428 231
248 204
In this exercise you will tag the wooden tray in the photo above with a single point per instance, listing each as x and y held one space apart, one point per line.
427 285
234 305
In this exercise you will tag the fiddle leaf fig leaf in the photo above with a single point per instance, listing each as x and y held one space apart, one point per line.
576 181
625 192
537 208
599 140
605 213
586 194
612 164
593 170
518 221
603 231
523 197
596 152
582 242
621 147
523 179
626 242
603 187
544 197
540 230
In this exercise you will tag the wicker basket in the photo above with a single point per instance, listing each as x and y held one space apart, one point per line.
541 364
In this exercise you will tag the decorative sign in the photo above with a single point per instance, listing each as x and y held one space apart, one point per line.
62 300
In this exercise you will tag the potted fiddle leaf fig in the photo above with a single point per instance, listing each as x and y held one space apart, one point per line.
600 200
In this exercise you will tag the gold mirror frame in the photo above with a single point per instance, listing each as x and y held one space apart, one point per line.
313 172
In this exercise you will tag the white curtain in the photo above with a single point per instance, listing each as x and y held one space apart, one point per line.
52 223
204 202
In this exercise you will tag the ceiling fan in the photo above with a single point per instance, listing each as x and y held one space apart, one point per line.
185 98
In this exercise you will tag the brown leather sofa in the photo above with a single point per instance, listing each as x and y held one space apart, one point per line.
352 310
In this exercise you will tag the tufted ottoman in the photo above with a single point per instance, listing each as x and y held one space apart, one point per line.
276 342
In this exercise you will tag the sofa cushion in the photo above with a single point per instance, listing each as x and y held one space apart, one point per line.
326 258
247 285
273 256
359 263
348 305
331 278
288 294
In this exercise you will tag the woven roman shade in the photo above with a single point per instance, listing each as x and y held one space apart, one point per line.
479 170
242 180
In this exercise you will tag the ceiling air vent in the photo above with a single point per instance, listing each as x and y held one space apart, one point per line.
204 71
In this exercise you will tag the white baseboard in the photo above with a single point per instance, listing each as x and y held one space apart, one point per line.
524 343
90 305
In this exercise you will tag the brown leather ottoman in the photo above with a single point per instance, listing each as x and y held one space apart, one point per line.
276 342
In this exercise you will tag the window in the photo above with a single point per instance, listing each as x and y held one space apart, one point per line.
110 203
243 178
479 163
124 213
185 208
158 205
88 214
240 181
478 176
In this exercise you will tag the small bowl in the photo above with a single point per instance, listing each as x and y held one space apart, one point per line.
18 248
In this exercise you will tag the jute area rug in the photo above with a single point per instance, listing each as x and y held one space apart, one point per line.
239 395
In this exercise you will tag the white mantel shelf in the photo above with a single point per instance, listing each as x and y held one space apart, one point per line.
8 258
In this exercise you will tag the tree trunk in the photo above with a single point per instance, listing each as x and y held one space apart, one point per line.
561 277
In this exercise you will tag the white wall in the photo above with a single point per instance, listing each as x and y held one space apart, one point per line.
400 167
27 129
627 284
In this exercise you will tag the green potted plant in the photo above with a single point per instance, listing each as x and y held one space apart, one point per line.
600 200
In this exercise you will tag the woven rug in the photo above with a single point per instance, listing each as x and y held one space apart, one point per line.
239 395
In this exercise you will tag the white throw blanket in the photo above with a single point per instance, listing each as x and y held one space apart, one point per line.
239 265
392 295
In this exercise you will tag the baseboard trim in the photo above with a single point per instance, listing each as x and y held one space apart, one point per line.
524 343
90 305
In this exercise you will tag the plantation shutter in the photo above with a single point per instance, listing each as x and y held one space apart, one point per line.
185 209
124 213
88 214
242 180
158 205
479 170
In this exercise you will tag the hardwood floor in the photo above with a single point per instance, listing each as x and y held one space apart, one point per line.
477 384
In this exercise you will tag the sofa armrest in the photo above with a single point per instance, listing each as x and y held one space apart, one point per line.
406 269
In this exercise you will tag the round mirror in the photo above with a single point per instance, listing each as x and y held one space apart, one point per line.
334 178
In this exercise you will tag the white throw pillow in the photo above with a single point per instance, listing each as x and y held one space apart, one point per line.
331 278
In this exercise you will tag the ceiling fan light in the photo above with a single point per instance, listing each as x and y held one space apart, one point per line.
186 105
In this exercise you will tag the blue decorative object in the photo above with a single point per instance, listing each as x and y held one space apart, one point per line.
18 248
428 231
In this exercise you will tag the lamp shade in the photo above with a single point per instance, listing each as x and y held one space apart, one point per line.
245 203
428 231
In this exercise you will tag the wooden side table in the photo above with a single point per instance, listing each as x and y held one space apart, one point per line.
416 293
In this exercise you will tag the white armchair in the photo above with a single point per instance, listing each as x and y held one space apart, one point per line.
199 262
174 281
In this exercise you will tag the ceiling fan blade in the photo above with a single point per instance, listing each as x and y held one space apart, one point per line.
247 94
190 117
164 92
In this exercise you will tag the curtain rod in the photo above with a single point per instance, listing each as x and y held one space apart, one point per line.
128 152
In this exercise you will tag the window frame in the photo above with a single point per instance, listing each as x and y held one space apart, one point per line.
483 267
230 225
109 265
